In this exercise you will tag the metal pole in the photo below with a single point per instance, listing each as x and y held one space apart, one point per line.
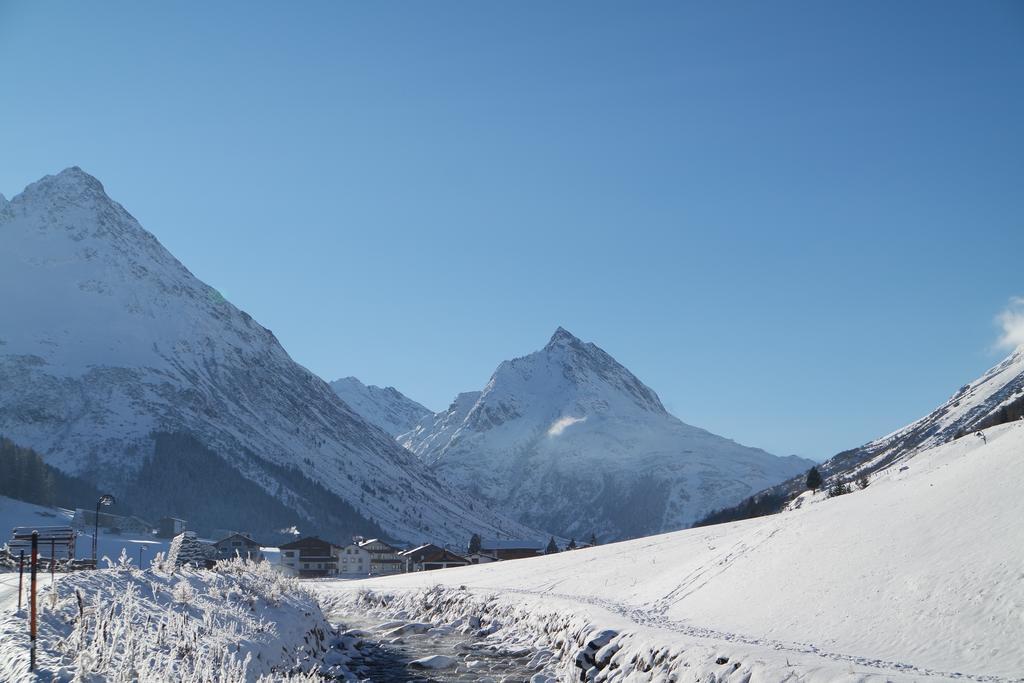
53 558
32 622
21 576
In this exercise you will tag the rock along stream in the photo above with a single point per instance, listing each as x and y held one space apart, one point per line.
415 651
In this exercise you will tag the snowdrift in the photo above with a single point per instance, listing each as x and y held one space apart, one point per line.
918 576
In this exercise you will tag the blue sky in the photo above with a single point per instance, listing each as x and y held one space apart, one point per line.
798 222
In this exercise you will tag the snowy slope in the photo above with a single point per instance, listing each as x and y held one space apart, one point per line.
916 577
994 398
110 341
384 407
567 439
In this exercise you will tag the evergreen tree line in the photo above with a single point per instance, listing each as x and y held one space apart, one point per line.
26 477
186 479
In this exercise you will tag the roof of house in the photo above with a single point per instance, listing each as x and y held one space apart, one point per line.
419 552
512 544
445 556
244 537
377 540
481 553
306 542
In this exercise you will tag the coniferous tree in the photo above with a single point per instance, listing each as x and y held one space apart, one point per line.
813 479
474 543
593 538
552 547
572 544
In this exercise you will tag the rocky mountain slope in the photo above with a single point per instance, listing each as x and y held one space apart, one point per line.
568 440
119 365
384 407
994 398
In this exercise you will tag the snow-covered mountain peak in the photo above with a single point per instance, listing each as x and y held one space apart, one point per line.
562 337
569 439
580 375
73 185
384 407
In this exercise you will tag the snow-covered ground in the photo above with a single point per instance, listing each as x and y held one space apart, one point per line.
921 575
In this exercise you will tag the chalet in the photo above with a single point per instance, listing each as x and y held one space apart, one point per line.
309 557
443 560
413 559
481 557
512 549
169 527
86 519
384 557
239 545
353 560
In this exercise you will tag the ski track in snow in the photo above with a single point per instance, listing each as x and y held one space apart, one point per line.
653 618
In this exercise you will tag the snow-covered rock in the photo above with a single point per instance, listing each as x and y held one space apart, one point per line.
384 407
567 439
435 662
110 347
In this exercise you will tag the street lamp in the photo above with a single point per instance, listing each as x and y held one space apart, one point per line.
105 500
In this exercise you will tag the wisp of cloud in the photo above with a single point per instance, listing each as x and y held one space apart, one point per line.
1012 322
560 425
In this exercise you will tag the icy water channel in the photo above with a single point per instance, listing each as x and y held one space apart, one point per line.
410 651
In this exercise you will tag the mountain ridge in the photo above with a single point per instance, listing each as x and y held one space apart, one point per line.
385 407
112 341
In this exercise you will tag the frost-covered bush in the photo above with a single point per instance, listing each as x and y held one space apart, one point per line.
242 622
7 561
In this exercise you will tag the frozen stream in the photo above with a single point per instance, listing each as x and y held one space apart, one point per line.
414 651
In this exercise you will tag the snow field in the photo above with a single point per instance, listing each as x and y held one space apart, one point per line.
919 576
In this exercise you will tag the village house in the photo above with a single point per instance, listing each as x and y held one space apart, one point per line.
86 519
414 558
239 545
309 557
481 557
384 558
443 560
353 560
512 549
169 527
